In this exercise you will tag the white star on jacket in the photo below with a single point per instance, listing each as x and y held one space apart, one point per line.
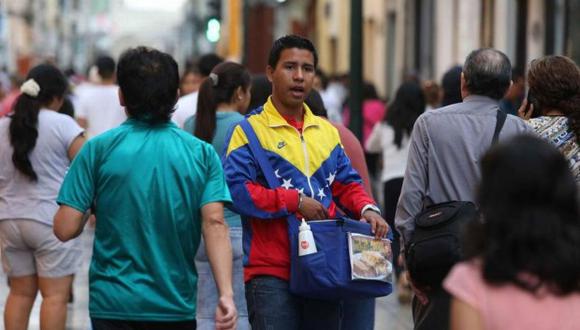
301 191
321 193
330 178
276 173
287 183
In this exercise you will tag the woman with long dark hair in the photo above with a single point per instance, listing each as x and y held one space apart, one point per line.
37 146
523 259
555 90
223 99
391 138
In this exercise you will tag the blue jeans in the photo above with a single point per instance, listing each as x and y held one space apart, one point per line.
272 306
359 314
207 295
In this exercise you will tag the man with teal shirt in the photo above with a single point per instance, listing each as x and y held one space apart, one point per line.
156 189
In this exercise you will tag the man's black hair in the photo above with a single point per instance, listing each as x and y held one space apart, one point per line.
487 72
207 62
105 66
287 42
149 80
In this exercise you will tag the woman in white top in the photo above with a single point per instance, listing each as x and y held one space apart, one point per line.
391 138
37 145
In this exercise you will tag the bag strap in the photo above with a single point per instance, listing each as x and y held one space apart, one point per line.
501 117
259 154
263 163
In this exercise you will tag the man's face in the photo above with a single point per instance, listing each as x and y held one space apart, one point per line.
292 77
190 83
517 90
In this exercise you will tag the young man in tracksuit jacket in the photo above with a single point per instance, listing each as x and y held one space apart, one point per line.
316 178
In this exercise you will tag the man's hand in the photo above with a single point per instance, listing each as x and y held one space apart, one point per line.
420 293
311 209
226 314
379 226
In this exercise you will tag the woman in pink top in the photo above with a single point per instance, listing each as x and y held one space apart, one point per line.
523 268
373 110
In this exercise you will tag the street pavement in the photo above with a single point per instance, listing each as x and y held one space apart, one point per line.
389 314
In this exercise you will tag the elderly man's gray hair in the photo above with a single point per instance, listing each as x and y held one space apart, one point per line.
487 72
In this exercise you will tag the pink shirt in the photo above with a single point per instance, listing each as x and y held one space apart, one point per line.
509 307
373 112
8 102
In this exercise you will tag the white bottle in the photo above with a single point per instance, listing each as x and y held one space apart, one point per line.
306 244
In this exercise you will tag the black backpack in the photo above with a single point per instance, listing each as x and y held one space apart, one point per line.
436 244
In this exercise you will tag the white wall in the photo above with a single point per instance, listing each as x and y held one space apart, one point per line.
504 37
445 22
536 29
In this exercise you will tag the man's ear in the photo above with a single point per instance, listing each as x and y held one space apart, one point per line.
464 90
269 72
121 98
239 93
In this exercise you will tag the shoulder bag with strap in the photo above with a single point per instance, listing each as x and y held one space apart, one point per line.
325 274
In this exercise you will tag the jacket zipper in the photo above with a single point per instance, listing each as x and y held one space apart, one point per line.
306 162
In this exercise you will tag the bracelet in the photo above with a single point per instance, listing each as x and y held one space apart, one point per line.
299 200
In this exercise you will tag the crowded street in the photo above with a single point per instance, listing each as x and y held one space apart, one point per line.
289 164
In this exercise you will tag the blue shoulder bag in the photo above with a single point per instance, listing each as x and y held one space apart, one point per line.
326 274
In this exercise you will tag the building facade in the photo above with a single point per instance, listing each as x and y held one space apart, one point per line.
425 38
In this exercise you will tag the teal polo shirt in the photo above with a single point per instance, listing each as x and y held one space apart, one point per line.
148 184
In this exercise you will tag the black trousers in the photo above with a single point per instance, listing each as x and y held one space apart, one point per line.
105 324
434 315
392 190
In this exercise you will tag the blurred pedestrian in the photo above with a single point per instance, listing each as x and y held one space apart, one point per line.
187 104
222 102
37 146
555 89
98 108
451 84
443 160
5 84
373 110
391 137
433 95
190 81
261 90
334 96
515 95
523 261
320 82
155 190
7 104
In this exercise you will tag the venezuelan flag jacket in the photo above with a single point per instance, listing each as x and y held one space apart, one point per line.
312 162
